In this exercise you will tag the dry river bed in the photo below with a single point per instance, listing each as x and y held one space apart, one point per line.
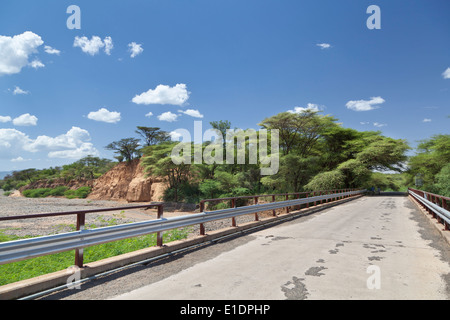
15 206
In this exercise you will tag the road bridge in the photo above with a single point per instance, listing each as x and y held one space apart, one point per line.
373 247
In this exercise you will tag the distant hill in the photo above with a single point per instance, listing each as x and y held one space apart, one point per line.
4 174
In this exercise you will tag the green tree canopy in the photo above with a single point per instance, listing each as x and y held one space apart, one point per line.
152 135
128 148
157 161
428 165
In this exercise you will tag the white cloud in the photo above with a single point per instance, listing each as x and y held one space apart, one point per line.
324 45
446 74
5 119
309 107
51 50
104 115
25 120
426 120
73 144
108 45
19 159
36 63
18 90
148 115
174 135
168 116
94 45
135 49
163 94
379 125
364 122
12 142
365 105
73 139
15 51
192 113
84 150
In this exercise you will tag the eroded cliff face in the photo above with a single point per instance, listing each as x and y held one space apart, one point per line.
127 182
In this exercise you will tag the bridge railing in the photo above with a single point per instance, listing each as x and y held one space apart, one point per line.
18 250
233 201
80 227
434 204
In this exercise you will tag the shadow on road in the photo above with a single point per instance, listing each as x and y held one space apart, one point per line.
391 194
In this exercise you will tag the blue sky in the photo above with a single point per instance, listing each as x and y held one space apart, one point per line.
66 93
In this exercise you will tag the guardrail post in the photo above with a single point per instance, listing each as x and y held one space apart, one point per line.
274 213
307 196
444 206
233 205
81 218
256 213
287 208
159 238
202 227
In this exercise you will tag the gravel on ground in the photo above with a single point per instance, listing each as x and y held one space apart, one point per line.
15 206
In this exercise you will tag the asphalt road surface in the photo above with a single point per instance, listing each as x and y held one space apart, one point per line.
379 247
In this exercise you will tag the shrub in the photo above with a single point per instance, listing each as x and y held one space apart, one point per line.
186 192
442 185
57 192
81 193
37 193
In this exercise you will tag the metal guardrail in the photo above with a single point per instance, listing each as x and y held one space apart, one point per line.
81 217
29 248
430 202
286 196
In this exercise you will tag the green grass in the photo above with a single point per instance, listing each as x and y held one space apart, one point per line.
30 268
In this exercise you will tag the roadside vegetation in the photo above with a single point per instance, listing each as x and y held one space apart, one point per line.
30 268
316 153
429 168
61 191
85 169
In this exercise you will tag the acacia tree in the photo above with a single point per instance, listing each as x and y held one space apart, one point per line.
299 132
301 139
152 135
431 163
126 148
380 153
88 167
157 161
